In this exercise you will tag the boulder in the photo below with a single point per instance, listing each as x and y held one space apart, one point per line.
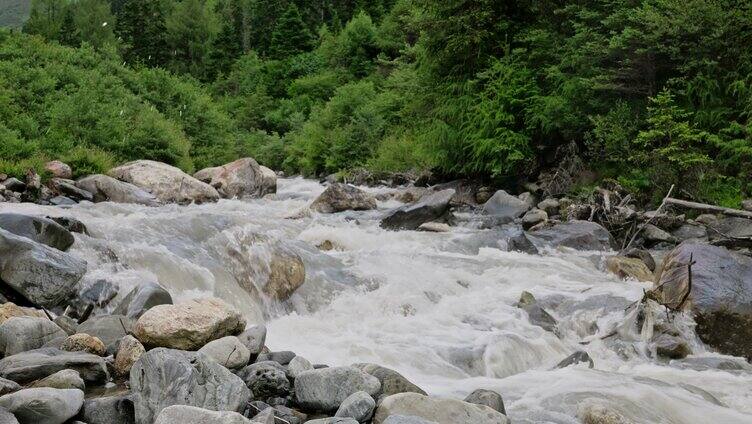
9 310
38 229
6 417
550 206
297 366
227 351
720 298
182 414
690 232
519 242
358 406
62 201
71 224
116 409
488 398
406 419
142 298
671 347
58 169
267 380
129 350
36 364
107 328
625 267
730 226
596 413
41 274
8 386
82 342
286 273
435 227
535 312
578 235
68 189
93 294
391 381
342 197
108 189
63 379
282 357
505 206
188 325
43 405
325 389
578 357
20 334
241 178
15 185
442 411
410 217
533 217
654 235
747 205
333 420
253 338
642 255
167 183
164 377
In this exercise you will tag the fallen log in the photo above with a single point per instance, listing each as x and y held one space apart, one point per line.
703 207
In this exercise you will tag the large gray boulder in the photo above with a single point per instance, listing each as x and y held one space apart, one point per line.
406 419
116 409
36 364
6 417
164 377
19 334
8 386
488 398
579 235
241 178
358 406
108 189
504 206
38 229
266 379
167 183
410 217
64 379
720 297
182 414
142 298
107 328
391 381
43 405
325 389
253 338
227 351
42 274
442 411
342 197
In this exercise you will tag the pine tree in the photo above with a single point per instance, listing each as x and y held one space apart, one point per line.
45 18
94 22
290 35
228 46
141 27
69 34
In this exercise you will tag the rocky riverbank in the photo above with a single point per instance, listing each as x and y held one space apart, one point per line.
93 353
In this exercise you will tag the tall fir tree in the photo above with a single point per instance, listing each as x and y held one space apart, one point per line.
69 34
141 27
290 36
228 46
94 22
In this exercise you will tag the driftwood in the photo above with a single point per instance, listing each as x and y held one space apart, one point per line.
708 208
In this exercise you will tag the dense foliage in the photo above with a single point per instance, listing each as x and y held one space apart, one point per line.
650 93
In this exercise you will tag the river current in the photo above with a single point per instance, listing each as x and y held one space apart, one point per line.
437 307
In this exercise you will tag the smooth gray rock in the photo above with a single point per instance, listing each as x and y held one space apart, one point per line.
63 379
488 398
410 217
143 298
535 312
282 357
227 351
42 274
163 377
108 410
20 334
105 188
391 381
62 201
168 183
579 235
297 366
333 420
36 364
241 178
6 417
264 417
533 217
43 405
253 338
67 188
654 235
8 386
519 242
266 380
325 389
505 206
406 419
443 411
107 328
38 229
690 232
576 358
182 414
359 406
340 197
671 347
67 324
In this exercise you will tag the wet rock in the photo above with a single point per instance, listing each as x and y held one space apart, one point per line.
253 338
550 206
410 194
188 325
8 386
286 273
129 350
342 197
506 206
41 274
143 298
643 255
671 347
391 381
108 410
536 314
241 178
43 405
182 414
410 217
108 189
488 398
68 189
82 342
435 227
625 267
58 169
593 413
533 217
20 334
654 235
578 235
167 183
520 243
64 379
578 357
71 224
37 364
164 377
227 351
62 201
297 366
325 389
442 411
38 229
358 406
107 328
720 298
266 380
93 294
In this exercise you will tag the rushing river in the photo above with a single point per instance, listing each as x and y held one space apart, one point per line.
438 307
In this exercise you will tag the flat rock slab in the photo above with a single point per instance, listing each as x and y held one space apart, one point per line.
36 364
38 229
410 217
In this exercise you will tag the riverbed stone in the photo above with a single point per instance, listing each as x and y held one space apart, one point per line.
406 419
358 406
431 207
578 357
391 381
286 273
690 232
6 417
36 364
129 350
164 377
142 298
183 414
9 310
188 325
671 347
625 267
534 217
43 405
227 351
241 178
578 235
253 338
58 169
535 312
37 228
643 255
107 328
442 411
550 205
43 275
20 334
167 183
116 409
63 379
325 389
505 206
488 398
8 386
654 235
107 189
82 342
340 197
333 420
266 380
297 366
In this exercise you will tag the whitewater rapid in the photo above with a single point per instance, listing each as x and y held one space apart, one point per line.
437 307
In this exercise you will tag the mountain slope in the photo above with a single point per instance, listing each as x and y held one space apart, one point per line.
13 13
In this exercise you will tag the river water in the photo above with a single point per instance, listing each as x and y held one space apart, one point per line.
437 307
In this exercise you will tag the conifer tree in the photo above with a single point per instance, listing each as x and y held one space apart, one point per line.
290 35
69 34
141 27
